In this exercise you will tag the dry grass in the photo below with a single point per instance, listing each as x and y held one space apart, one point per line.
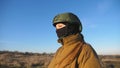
36 60
24 60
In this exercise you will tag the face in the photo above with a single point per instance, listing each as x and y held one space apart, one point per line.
60 25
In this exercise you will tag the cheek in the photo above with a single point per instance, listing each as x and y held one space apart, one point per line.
57 27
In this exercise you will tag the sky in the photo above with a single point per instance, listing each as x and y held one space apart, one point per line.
26 25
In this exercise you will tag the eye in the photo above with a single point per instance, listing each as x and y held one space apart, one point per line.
60 25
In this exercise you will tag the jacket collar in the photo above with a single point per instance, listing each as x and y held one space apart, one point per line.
71 39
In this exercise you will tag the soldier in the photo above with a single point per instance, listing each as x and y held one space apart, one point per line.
74 52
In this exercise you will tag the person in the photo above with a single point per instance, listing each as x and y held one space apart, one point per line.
74 52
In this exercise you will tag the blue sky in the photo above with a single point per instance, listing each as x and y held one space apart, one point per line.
26 25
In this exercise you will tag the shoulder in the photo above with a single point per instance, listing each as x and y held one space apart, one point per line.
58 51
87 51
88 58
88 48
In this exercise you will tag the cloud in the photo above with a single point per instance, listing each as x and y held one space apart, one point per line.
109 51
7 42
89 23
104 6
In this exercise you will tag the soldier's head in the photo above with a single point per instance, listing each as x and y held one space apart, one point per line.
67 24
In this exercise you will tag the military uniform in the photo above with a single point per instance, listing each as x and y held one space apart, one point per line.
74 52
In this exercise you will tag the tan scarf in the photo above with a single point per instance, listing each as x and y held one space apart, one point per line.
68 52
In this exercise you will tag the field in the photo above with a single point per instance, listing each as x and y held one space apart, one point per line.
110 61
36 60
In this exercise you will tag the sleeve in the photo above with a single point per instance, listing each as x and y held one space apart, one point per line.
88 58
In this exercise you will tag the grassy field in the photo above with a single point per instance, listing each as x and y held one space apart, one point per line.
37 60
110 61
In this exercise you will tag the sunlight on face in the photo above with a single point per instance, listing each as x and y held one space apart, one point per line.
60 25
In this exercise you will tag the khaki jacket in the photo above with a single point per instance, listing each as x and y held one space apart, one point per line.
75 53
